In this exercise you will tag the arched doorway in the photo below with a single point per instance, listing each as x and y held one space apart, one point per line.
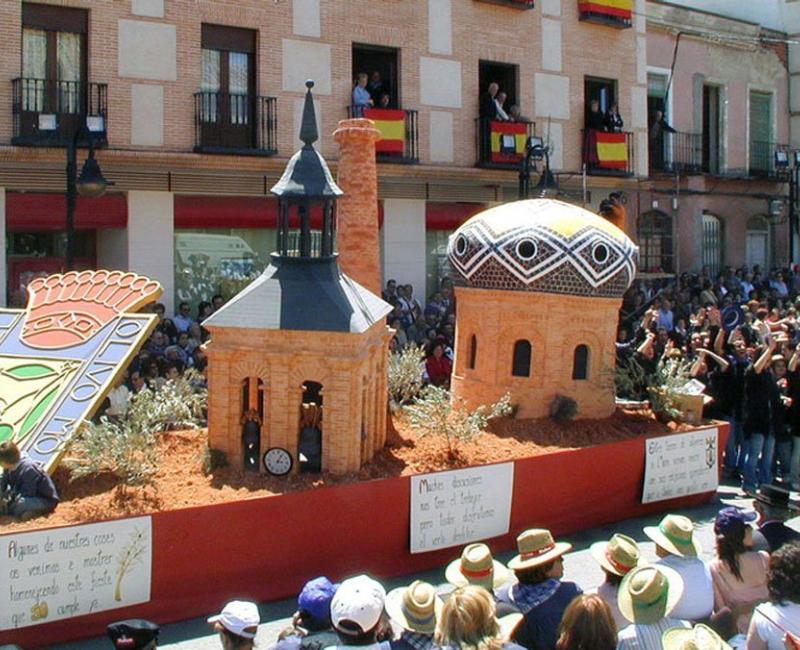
309 444
757 242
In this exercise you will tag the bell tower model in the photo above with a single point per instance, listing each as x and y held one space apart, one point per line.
298 359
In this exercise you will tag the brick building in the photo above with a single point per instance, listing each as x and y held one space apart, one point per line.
198 104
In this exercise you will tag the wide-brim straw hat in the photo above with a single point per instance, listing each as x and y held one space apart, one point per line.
415 608
619 555
700 637
476 566
675 534
536 546
649 593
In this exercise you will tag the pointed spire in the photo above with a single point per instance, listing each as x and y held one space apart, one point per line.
308 127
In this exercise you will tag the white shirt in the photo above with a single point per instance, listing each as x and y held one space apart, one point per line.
697 600
766 619
118 401
647 637
608 593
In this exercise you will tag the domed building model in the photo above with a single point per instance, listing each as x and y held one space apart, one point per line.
539 287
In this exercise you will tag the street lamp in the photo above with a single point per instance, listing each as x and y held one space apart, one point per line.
535 150
89 183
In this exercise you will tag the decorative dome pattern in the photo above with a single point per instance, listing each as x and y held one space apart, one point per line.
543 245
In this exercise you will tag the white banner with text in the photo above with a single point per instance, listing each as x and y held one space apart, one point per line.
460 506
65 572
680 465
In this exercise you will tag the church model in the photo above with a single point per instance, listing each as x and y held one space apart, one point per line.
540 284
298 360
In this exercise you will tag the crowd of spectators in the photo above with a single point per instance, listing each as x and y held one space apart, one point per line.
738 331
431 327
175 345
747 596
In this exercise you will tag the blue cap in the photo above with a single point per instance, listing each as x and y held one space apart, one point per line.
315 599
730 517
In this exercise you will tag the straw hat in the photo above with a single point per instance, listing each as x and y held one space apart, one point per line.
700 637
675 534
477 567
618 555
415 608
536 546
648 594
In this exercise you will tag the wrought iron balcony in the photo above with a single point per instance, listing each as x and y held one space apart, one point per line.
677 152
608 154
399 141
517 4
501 145
46 112
762 159
226 123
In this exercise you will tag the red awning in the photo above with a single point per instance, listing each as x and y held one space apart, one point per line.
225 212
31 211
449 216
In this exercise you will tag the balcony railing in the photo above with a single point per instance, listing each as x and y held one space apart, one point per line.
399 141
501 145
46 112
677 152
517 4
227 123
762 159
608 154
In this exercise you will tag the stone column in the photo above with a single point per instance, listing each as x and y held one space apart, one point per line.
357 220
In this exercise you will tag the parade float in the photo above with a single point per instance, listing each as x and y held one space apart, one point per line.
297 404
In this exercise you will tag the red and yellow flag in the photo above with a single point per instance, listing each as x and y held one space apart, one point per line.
508 141
612 150
392 125
620 9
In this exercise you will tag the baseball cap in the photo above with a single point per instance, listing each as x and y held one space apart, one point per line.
240 617
132 633
729 517
358 600
315 599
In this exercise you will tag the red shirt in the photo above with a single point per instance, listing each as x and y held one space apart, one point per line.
438 369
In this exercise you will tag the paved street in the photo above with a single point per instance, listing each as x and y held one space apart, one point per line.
579 566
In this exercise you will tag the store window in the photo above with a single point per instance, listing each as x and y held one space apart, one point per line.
222 261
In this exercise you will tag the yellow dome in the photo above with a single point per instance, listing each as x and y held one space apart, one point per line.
543 245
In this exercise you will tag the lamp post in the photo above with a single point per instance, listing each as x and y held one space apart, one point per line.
90 183
535 149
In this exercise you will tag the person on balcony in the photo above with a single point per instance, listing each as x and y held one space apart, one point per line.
500 100
515 114
595 120
488 105
660 126
613 121
384 101
361 96
376 87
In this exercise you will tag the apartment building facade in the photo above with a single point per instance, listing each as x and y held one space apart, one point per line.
717 190
195 106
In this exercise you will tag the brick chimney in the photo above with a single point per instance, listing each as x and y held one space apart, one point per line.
357 210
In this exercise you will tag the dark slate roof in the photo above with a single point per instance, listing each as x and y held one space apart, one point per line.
307 175
296 293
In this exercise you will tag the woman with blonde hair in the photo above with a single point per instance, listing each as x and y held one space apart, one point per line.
587 625
468 622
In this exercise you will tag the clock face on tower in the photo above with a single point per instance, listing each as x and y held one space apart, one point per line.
278 461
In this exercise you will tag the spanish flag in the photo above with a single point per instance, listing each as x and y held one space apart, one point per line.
612 150
508 141
392 125
618 9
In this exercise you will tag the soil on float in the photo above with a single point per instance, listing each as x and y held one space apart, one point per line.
181 483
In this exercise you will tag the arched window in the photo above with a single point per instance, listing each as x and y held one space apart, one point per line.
521 366
473 352
252 418
580 362
309 446
655 242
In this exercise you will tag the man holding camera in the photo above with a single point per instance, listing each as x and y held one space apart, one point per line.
26 490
